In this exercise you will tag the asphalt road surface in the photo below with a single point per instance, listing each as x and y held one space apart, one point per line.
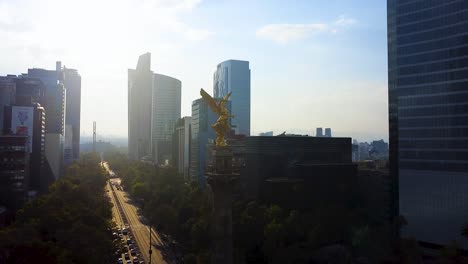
125 214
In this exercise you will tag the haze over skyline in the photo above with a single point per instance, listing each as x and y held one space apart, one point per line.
319 64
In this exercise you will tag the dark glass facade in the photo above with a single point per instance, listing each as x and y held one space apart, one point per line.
428 115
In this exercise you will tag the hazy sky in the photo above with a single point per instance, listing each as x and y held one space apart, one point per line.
314 63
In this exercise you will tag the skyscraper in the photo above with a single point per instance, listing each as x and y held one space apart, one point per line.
140 85
319 132
72 82
54 104
165 113
234 76
181 145
428 124
328 132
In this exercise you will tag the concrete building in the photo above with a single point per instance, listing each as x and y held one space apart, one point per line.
181 145
234 76
428 124
14 170
54 104
140 94
72 82
319 132
271 166
165 113
7 95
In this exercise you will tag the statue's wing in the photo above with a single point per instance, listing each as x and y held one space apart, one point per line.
226 98
211 102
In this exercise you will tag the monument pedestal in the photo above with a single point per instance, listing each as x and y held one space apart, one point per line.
221 178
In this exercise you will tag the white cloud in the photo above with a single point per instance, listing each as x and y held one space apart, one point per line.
286 33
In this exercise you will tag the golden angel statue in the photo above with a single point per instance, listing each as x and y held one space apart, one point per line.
221 127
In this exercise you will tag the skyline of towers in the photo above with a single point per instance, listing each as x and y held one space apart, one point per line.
234 76
428 88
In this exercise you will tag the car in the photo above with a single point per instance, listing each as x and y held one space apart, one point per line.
114 234
135 260
132 252
129 262
120 261
125 231
126 256
131 246
121 236
129 241
141 262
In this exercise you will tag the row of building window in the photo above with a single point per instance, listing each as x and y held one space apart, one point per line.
433 67
430 100
432 12
428 46
414 6
432 78
433 166
453 86
434 155
433 56
435 110
434 23
436 132
436 122
434 144
432 35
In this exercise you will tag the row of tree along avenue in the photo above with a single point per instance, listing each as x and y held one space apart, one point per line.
69 224
356 232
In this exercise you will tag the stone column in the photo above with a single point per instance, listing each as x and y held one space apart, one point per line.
221 178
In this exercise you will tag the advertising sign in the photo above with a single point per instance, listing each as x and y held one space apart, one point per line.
22 122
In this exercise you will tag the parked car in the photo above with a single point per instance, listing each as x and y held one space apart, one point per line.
135 260
125 231
120 261
132 252
129 241
126 256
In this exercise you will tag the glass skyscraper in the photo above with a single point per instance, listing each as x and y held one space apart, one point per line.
165 113
234 76
428 115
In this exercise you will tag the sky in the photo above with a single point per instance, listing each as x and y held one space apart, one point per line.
314 63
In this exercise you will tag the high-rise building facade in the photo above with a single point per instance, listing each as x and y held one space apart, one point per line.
72 82
140 85
234 76
428 123
181 145
54 104
165 113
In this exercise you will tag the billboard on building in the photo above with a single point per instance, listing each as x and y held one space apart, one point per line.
22 118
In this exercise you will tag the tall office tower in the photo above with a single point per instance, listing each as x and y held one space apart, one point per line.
165 113
428 125
7 95
234 76
201 134
328 132
140 85
181 145
72 82
319 132
54 104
